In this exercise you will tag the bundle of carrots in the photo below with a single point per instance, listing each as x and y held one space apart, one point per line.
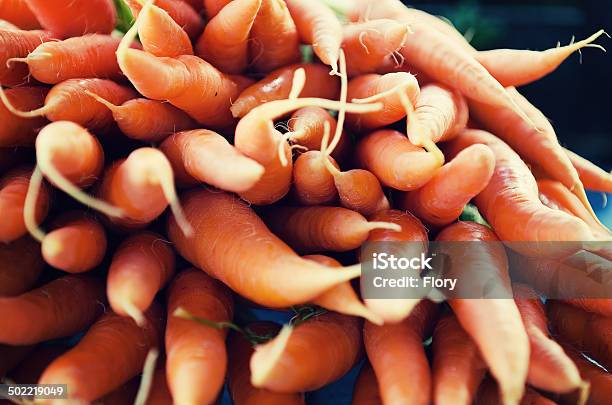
271 166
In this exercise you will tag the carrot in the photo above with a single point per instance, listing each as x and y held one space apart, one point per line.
398 358
549 367
587 332
308 356
13 190
113 350
33 365
240 350
89 56
67 101
77 244
513 67
17 131
274 37
230 255
488 394
197 357
495 324
599 380
315 229
413 240
306 128
441 112
442 199
180 11
396 161
22 264
277 86
140 267
591 176
77 18
365 390
212 7
11 356
510 202
224 41
18 13
159 394
60 308
203 155
317 25
457 367
313 183
18 44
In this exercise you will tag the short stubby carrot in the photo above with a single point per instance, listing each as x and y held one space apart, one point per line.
18 44
18 13
322 228
18 131
22 264
76 18
76 244
307 127
240 349
113 350
89 56
313 184
230 255
457 366
593 177
277 86
365 390
13 191
395 160
442 112
140 267
442 199
308 356
60 308
224 42
398 358
181 12
202 155
196 354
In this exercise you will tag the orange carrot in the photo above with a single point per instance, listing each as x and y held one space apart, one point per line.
229 254
18 13
313 183
441 200
22 264
197 357
212 7
203 155
182 13
60 308
140 267
76 18
112 352
318 26
442 113
601 306
224 41
17 44
600 381
457 367
240 350
591 176
366 391
494 324
488 394
398 358
13 190
292 361
513 67
17 131
306 128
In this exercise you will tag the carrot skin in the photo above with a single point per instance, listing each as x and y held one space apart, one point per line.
22 264
181 12
18 44
18 131
600 381
313 184
593 177
307 127
442 112
18 13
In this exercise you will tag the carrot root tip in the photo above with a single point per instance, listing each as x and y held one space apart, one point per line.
260 370
146 381
29 209
134 313
372 225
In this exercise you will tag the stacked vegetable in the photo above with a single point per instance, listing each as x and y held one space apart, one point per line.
386 136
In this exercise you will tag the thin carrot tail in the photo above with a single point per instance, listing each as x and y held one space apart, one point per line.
146 381
343 100
372 225
131 34
24 114
297 85
103 101
584 392
29 209
167 185
275 348
586 43
134 313
27 59
580 192
325 151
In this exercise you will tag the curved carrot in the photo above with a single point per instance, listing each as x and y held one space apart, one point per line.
18 13
181 12
442 113
206 156
365 390
313 183
18 131
600 381
212 7
140 267
228 253
13 191
18 44
224 41
494 324
113 350
601 306
457 367
60 308
442 199
240 350
76 244
76 18
306 129
398 358
513 67
89 56
396 161
197 359
22 264
590 175
411 238
292 361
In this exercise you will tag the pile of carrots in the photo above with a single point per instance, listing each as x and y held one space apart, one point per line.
158 184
